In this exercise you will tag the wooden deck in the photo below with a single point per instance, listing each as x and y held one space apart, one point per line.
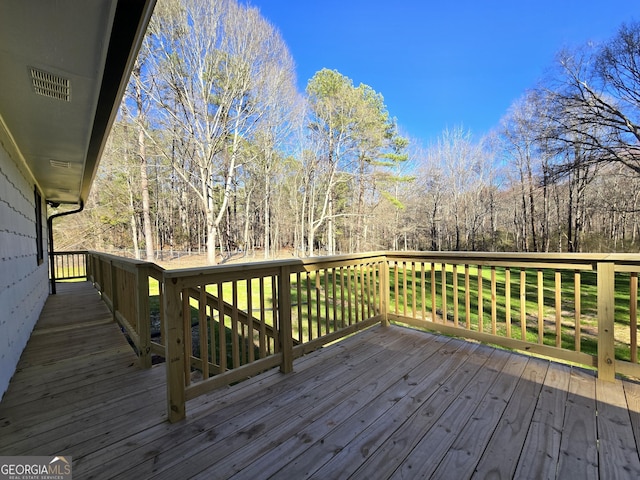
384 403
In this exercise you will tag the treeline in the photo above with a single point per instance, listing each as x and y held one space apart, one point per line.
215 150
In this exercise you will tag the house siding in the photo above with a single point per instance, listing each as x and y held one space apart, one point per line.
23 283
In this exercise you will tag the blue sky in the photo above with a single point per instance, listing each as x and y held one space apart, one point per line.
441 64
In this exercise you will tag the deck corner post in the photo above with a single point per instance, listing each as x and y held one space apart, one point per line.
174 351
143 315
606 321
285 334
385 293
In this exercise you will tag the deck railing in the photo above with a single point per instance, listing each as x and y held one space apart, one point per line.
69 265
125 287
225 323
575 307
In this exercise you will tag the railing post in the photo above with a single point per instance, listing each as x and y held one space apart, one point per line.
114 291
88 267
174 351
385 294
142 311
284 319
606 321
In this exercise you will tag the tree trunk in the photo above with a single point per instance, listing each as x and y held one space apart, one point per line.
146 208
142 154
211 241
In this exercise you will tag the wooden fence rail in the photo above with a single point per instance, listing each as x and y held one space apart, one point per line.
221 324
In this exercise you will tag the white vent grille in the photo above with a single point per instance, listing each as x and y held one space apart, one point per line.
50 85
59 164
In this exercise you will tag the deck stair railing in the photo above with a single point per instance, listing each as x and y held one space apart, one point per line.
232 322
218 325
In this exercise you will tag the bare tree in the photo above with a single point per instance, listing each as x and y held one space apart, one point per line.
596 95
218 68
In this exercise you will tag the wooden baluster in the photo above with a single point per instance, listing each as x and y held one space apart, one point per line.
222 335
342 302
235 347
523 304
350 293
558 288
396 287
480 301
423 292
494 306
204 331
309 307
633 316
334 297
443 275
467 297
250 330
362 296
384 293
299 302
434 310
264 347
455 295
327 327
507 299
540 307
188 336
577 307
318 298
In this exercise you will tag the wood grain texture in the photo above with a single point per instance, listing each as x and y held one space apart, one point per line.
384 402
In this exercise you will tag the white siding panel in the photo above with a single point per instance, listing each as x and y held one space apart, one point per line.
23 283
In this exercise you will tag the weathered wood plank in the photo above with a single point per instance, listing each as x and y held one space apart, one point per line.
488 388
232 412
391 387
303 458
578 447
539 457
618 451
499 458
461 459
406 433
286 410
632 393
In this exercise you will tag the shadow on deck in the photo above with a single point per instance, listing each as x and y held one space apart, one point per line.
384 403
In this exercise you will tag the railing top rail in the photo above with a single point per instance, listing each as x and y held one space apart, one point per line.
256 268
127 261
578 258
70 252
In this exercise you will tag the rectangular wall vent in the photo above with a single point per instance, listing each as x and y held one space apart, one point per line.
59 164
50 85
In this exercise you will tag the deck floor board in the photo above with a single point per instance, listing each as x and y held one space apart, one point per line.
384 403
